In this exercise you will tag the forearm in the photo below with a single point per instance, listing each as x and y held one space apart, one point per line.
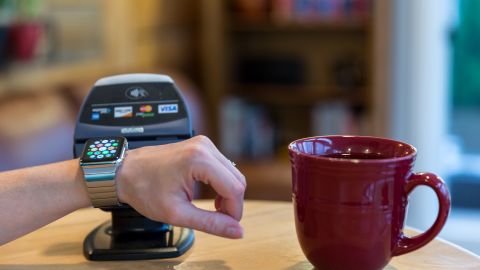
33 197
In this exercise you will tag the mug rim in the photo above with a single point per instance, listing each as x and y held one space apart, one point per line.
293 150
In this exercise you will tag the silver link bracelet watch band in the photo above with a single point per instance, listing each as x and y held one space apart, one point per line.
100 180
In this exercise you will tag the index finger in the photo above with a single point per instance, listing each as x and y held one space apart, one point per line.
208 221
210 171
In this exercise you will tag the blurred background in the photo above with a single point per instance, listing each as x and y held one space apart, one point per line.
259 74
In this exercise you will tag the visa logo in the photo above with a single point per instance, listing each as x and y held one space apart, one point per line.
168 108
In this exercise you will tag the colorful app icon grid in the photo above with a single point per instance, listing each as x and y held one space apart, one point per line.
99 149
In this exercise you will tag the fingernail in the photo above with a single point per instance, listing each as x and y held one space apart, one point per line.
235 232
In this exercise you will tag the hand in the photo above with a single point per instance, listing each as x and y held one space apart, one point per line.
158 181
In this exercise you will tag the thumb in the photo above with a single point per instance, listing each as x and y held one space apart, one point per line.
211 222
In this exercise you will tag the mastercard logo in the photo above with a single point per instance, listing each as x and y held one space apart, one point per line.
146 108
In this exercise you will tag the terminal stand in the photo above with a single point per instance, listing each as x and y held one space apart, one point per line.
131 236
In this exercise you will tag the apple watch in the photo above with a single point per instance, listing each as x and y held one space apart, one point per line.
100 161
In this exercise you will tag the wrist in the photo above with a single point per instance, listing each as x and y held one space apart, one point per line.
120 182
123 176
79 191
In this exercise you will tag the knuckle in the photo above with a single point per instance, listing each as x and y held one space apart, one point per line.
202 139
196 152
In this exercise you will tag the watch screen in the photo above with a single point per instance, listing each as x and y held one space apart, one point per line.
103 149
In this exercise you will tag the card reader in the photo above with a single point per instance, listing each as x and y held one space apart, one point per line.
146 109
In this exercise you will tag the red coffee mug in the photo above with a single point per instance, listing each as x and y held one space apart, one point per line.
350 194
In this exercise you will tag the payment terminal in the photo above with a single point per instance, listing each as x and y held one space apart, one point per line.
120 112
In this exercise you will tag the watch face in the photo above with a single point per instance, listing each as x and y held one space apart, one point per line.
103 149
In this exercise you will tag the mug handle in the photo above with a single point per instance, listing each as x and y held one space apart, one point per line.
407 244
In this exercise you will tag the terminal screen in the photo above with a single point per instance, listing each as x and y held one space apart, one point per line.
133 105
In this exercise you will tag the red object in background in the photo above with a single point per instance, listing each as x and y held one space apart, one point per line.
25 37
252 10
350 195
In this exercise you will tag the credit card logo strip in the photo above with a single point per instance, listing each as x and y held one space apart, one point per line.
168 108
145 108
101 110
145 111
123 112
144 115
95 116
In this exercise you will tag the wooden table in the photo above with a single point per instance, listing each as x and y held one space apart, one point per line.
269 243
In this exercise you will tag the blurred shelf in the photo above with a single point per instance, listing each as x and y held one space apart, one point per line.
297 95
37 77
267 179
136 48
333 26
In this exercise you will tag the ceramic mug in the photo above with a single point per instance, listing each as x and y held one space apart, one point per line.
350 195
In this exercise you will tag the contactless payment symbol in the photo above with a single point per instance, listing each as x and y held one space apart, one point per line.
123 112
136 92
168 108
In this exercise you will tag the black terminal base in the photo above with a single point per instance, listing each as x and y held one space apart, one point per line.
131 236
